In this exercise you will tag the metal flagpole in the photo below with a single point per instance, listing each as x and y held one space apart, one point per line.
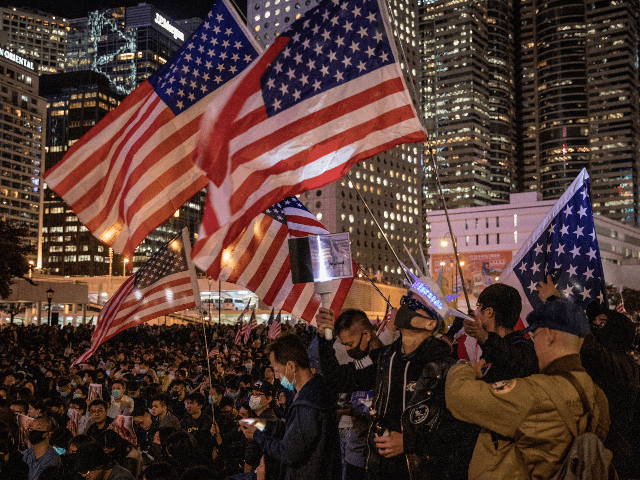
353 185
206 348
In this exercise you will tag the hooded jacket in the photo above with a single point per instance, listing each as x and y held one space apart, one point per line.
308 444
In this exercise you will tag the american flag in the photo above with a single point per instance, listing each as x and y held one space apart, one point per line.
275 328
241 326
385 321
328 93
620 307
259 260
167 283
564 243
135 168
246 329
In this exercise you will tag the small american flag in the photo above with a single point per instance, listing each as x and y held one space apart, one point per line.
254 320
249 327
135 168
167 283
241 326
275 328
620 308
259 260
386 319
327 94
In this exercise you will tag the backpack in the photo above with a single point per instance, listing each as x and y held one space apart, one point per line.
587 457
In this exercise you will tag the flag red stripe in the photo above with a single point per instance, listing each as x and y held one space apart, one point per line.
157 288
242 194
111 162
260 229
231 246
112 306
159 156
278 282
269 258
293 296
130 105
312 307
311 121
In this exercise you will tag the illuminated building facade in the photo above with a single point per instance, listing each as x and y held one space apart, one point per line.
126 44
37 36
467 94
579 104
389 182
76 101
22 145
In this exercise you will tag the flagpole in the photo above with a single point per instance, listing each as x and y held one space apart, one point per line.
374 285
384 235
206 349
446 214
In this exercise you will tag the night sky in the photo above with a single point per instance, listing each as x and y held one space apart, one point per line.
78 8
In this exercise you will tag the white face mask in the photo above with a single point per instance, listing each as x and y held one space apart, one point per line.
254 403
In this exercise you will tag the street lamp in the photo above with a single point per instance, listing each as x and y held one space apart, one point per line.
124 266
49 298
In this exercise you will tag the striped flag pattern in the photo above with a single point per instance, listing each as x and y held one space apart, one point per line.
620 308
385 321
167 283
135 168
276 326
241 326
327 94
246 329
259 260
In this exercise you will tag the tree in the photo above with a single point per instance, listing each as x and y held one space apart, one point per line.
13 259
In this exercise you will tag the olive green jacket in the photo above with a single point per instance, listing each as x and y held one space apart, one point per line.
523 434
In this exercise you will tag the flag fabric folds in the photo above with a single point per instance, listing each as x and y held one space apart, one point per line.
259 260
246 329
275 328
165 284
564 244
242 328
135 168
328 93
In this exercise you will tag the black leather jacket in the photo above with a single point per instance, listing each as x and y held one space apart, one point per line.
432 438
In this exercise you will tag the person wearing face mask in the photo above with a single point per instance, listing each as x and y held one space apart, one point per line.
308 444
178 395
11 464
41 455
260 402
412 436
121 403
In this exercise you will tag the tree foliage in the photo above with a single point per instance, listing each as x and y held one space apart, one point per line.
13 256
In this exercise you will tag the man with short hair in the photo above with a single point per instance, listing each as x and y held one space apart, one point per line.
525 435
101 421
160 410
41 455
178 395
506 354
308 445
144 428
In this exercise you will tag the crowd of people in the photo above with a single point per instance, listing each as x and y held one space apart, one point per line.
151 404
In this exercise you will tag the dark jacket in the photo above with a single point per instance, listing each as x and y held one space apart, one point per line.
432 438
308 444
253 452
617 374
510 357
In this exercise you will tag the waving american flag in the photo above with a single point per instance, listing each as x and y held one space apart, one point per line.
135 168
328 93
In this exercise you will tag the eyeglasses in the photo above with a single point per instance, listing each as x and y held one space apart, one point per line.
414 304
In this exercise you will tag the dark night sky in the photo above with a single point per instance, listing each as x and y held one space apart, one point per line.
79 8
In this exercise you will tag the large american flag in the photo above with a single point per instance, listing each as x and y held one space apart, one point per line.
135 168
276 326
328 93
564 243
166 284
259 260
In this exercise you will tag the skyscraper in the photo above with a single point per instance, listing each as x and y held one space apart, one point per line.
389 182
37 36
579 103
22 145
467 95
126 44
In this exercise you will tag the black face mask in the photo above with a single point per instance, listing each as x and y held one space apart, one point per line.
36 436
356 353
404 316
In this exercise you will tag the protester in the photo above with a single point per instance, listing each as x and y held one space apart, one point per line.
308 444
525 434
41 455
101 422
12 467
160 410
94 464
413 436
